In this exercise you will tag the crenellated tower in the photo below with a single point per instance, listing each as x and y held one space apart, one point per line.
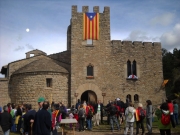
101 69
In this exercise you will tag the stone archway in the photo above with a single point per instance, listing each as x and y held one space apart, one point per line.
89 96
88 86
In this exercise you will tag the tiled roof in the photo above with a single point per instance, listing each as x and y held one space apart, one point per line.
43 64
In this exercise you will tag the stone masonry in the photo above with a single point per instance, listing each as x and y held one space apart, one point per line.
26 79
109 59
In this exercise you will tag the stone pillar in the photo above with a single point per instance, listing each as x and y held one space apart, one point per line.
96 9
85 9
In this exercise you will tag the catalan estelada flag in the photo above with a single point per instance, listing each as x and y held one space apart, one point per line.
90 26
164 83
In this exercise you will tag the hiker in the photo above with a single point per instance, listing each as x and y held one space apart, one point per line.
140 115
113 119
129 114
89 115
81 118
5 121
164 120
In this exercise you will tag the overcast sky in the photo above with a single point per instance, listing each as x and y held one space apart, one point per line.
47 21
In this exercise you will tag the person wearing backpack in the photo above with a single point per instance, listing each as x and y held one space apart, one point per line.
129 114
140 115
164 120
81 115
89 115
113 119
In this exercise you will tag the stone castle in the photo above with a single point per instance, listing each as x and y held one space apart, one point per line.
89 70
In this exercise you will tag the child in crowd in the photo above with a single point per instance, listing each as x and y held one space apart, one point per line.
54 130
76 117
71 116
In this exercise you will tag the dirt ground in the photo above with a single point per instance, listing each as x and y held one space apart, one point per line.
105 130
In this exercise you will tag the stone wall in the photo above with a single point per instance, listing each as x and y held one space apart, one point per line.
62 56
109 59
4 95
27 88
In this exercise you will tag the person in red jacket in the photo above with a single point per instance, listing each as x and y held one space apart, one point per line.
89 115
9 107
171 109
118 112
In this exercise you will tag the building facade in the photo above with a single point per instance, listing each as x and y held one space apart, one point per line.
90 70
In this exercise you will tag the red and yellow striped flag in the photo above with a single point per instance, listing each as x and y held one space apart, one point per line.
91 26
137 115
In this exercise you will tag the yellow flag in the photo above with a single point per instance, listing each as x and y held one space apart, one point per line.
165 82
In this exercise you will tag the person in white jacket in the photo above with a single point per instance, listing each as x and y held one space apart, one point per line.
129 115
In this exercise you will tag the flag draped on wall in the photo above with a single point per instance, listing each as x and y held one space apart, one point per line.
90 26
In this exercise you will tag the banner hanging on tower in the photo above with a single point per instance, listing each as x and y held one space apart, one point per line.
91 26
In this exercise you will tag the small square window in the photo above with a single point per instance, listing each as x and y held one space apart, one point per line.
89 41
48 82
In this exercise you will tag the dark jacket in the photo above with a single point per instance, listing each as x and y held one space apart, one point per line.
30 115
112 110
96 107
63 111
42 123
19 112
5 121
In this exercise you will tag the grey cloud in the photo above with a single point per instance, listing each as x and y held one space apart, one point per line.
138 35
164 19
19 48
29 46
171 39
19 38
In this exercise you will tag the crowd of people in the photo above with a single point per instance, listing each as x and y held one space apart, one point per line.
24 120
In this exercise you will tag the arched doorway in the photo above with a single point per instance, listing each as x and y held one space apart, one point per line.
89 96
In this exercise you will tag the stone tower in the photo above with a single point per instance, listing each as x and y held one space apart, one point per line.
108 61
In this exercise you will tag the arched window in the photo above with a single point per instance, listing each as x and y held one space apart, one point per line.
129 97
128 68
90 70
131 70
136 98
134 68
